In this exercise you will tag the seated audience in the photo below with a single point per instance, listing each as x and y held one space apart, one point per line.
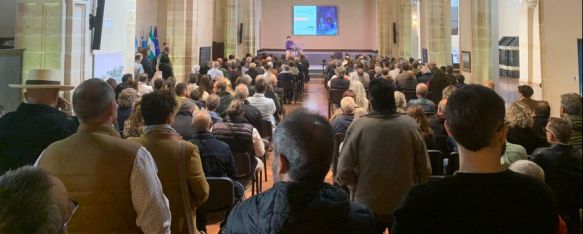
427 105
382 146
340 80
341 123
192 82
361 76
520 130
197 98
36 123
212 103
32 201
143 87
300 201
571 111
125 104
241 136
512 153
96 161
134 125
264 104
407 84
251 113
467 201
360 94
170 152
220 89
183 120
400 102
425 75
417 113
542 113
204 87
563 169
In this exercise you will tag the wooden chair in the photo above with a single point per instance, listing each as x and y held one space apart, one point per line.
245 171
339 139
436 159
288 90
453 163
220 200
334 97
266 132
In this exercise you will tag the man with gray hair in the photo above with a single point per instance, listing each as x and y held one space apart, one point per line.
562 165
251 113
32 201
571 111
341 123
264 104
300 201
215 71
115 180
427 105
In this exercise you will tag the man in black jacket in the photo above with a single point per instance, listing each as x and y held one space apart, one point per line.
147 63
300 201
25 133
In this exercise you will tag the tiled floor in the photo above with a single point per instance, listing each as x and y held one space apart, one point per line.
315 99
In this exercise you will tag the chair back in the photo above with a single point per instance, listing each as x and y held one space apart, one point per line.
221 195
335 96
453 163
265 130
410 94
243 165
436 159
339 139
286 85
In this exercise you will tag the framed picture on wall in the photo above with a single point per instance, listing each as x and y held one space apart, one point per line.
466 61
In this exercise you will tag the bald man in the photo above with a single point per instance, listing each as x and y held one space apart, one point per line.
216 157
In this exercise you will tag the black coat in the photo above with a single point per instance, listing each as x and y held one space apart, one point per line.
291 207
148 67
166 70
252 115
25 133
183 125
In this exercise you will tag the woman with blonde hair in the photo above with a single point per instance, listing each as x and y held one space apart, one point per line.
401 102
134 125
417 113
358 89
519 120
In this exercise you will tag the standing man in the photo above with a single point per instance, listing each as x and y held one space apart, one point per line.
383 156
482 197
37 123
115 180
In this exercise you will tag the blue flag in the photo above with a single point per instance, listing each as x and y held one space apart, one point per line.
156 42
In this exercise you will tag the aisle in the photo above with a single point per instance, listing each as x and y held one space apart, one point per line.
314 99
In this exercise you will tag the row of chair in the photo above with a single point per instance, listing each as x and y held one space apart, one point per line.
443 164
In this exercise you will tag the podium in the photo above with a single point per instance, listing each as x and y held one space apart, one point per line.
10 73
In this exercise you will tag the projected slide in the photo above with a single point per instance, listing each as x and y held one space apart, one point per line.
315 20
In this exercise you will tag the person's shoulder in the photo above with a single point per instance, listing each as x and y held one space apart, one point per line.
527 184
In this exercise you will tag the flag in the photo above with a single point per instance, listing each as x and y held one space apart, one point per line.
156 42
151 45
144 42
136 44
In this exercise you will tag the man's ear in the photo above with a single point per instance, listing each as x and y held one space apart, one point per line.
283 164
502 132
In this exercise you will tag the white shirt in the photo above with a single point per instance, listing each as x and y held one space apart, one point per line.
144 89
214 73
258 143
265 105
150 204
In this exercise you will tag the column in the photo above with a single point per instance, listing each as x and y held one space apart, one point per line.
231 27
182 35
40 30
528 40
484 55
436 30
249 10
130 50
405 29
386 16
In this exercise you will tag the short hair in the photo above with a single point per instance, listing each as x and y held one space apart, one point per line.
236 108
347 104
400 101
421 89
519 115
221 84
307 142
201 121
285 67
170 82
159 84
241 91
560 128
382 95
571 103
243 79
260 85
143 77
127 98
192 78
341 71
138 57
212 102
27 204
525 91
528 168
252 65
126 77
92 98
441 107
473 111
195 94
179 89
157 106
542 109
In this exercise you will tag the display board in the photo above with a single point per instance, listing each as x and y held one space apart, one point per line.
315 20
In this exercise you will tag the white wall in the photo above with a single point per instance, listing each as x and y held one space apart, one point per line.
205 23
146 16
560 27
356 21
7 18
509 18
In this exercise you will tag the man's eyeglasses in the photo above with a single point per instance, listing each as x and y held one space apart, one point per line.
72 207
